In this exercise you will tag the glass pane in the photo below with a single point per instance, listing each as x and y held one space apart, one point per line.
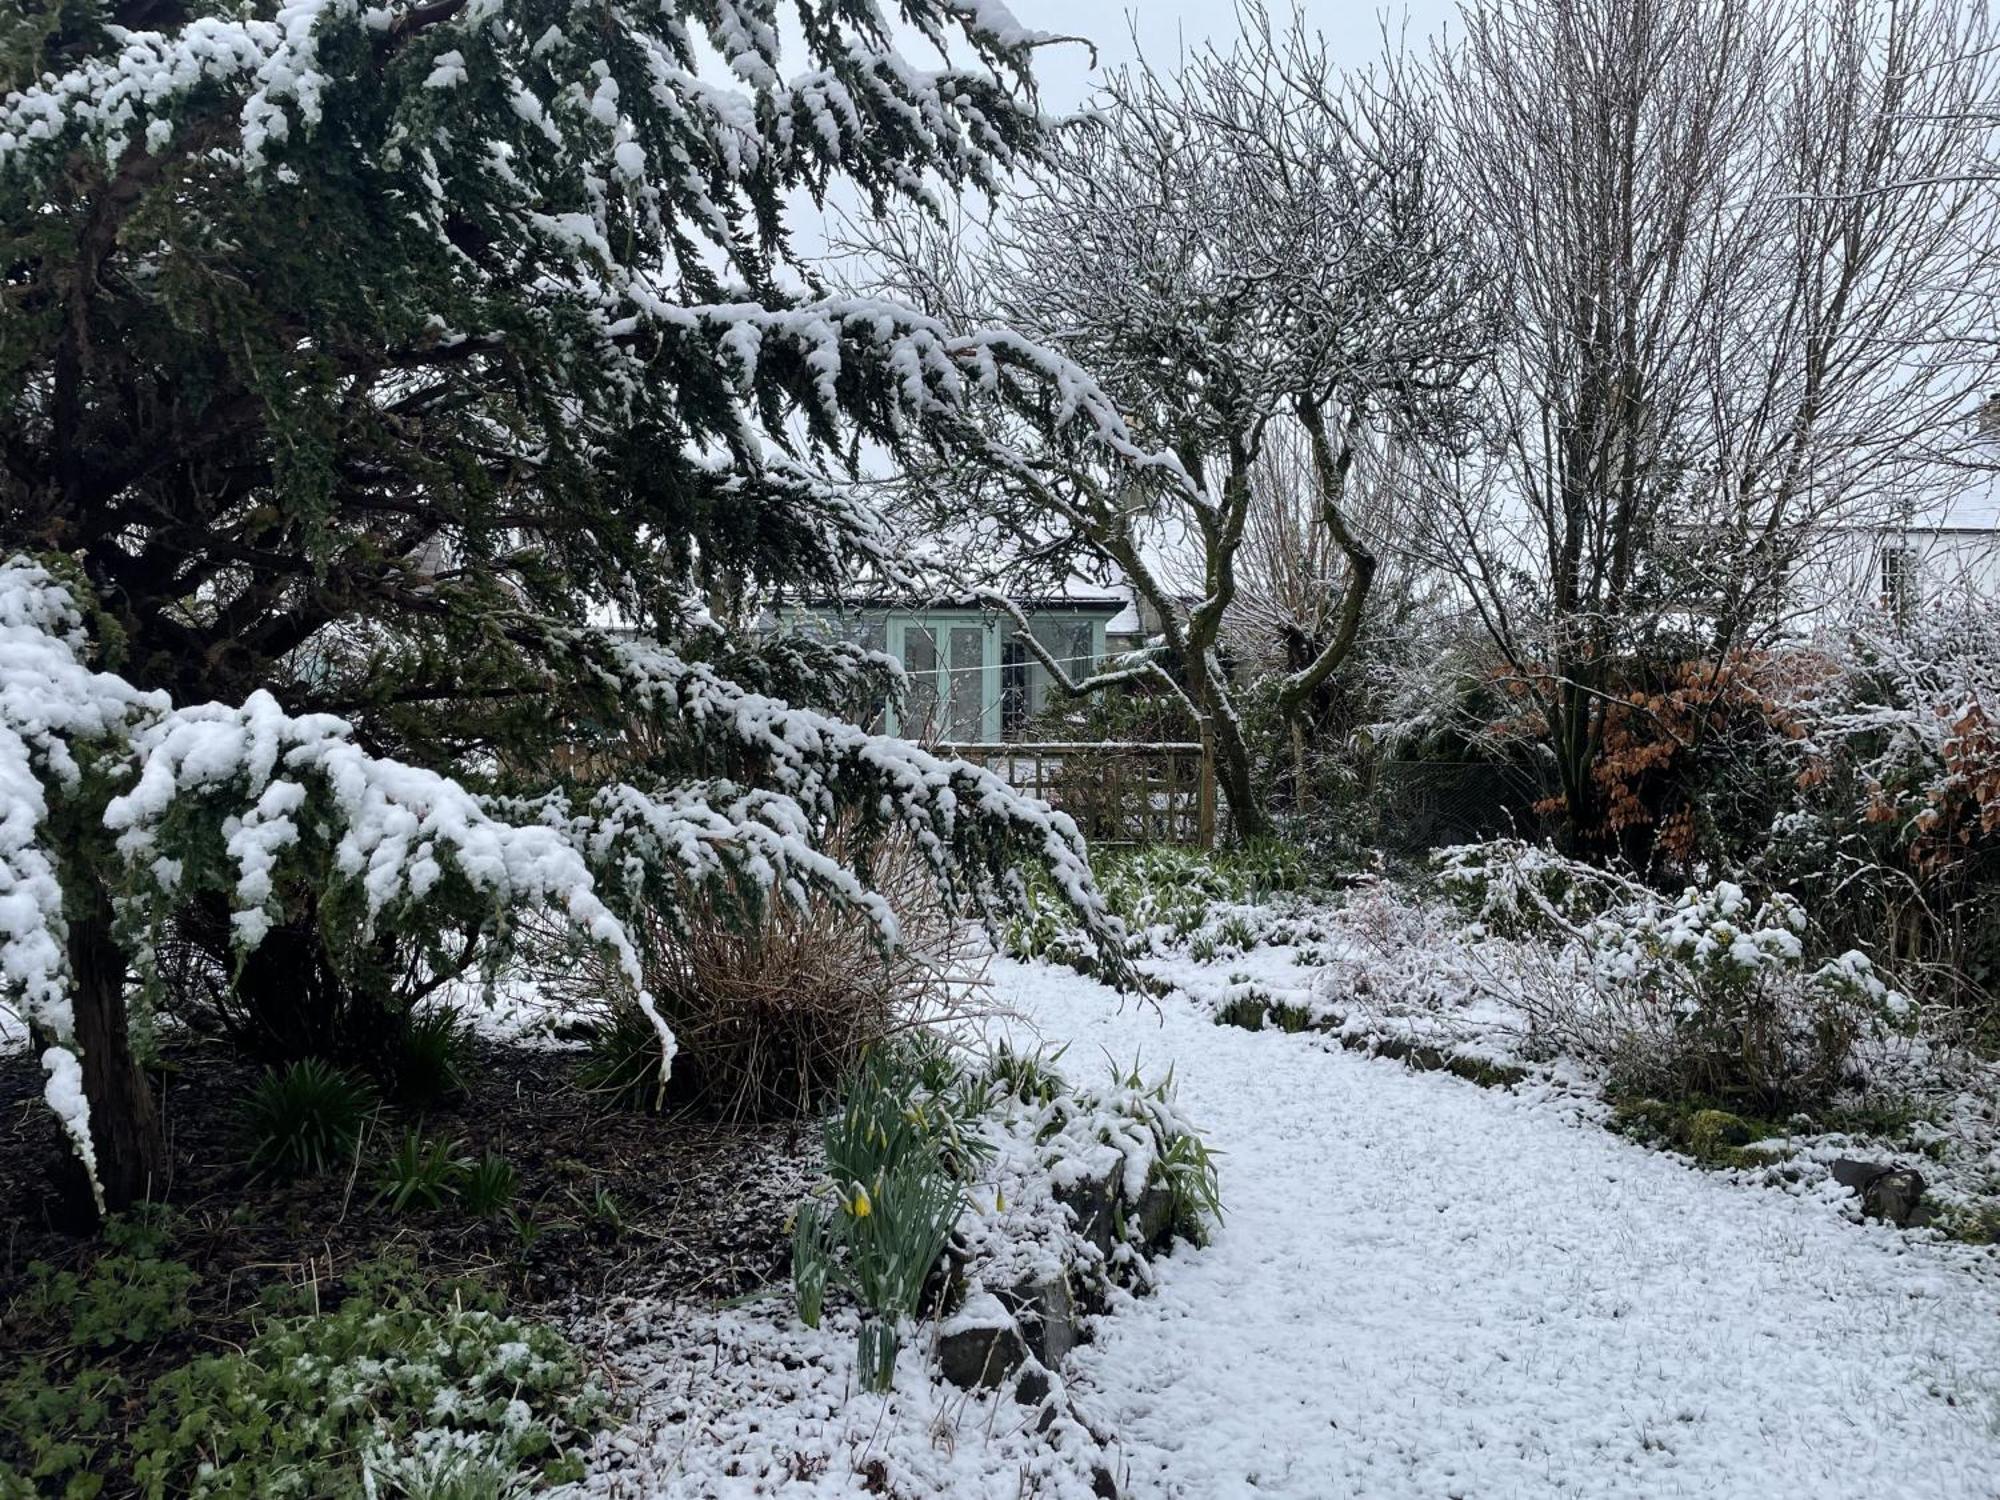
920 663
1015 703
968 683
1082 662
871 633
1068 640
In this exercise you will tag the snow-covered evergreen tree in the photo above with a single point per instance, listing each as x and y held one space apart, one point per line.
386 392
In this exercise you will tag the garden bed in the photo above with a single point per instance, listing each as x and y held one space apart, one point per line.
604 1201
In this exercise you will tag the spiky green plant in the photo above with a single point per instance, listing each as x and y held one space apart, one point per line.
420 1174
488 1185
305 1119
1030 1077
812 1261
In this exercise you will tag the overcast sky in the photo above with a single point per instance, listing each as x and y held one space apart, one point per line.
1164 27
1164 30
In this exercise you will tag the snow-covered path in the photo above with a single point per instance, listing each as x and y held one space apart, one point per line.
1429 1289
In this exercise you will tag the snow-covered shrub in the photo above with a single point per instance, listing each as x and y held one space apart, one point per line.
1167 897
1710 996
1893 832
1514 888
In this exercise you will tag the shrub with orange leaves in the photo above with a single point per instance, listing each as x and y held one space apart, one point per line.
1688 758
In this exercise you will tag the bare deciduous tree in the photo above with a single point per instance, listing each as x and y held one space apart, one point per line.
1723 335
1245 244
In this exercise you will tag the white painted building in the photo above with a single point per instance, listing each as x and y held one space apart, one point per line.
1906 560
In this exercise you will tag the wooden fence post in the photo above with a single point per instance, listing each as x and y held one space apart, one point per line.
1204 815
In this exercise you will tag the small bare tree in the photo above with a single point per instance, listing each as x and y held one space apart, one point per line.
1244 245
1723 333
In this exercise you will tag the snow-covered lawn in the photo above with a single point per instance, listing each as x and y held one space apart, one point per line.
1426 1288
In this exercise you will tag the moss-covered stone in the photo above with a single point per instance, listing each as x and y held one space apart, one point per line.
1485 1072
1650 1120
1714 1134
1713 1137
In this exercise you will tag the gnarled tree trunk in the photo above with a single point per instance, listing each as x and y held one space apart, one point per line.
124 1123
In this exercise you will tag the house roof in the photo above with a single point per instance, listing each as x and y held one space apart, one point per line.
1105 604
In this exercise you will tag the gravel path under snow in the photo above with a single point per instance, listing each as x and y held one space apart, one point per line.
1429 1289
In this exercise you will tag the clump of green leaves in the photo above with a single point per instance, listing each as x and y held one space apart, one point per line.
1045 929
1134 1114
602 1211
431 1056
367 1399
1186 1168
305 1119
53 1426
421 1174
1237 933
407 1389
131 1294
812 1261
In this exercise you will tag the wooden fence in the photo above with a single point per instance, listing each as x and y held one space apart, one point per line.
1119 793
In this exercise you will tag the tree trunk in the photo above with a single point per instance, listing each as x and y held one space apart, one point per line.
1232 769
124 1125
1299 767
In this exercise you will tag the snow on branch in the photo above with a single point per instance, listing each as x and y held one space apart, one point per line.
813 765
1136 664
51 704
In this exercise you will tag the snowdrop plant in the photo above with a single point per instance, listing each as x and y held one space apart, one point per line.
405 408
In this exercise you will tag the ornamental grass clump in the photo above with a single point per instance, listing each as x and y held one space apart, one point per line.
772 1004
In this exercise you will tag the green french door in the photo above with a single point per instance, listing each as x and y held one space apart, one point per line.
953 666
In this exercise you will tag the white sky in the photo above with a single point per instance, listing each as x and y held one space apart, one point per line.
1165 28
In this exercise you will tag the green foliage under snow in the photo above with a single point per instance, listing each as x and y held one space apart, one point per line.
405 1389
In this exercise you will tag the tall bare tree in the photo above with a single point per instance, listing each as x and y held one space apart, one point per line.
1244 244
1724 333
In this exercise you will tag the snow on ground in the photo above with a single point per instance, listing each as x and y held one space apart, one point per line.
1424 1288
747 1401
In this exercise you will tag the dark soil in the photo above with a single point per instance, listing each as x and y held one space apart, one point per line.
610 1201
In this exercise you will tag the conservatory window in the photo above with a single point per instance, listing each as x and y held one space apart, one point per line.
1899 580
920 664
